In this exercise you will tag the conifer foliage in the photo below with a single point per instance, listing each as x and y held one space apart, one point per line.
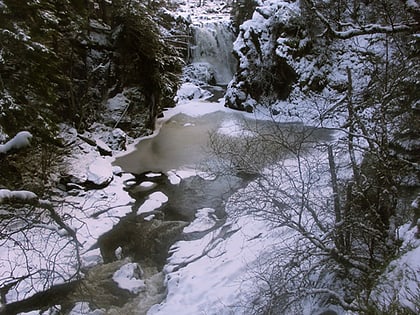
62 59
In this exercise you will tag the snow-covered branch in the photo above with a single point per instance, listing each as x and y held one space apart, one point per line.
367 29
336 296
20 141
25 197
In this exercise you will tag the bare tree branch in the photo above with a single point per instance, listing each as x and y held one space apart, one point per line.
367 29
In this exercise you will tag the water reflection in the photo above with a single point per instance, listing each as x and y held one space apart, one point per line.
184 142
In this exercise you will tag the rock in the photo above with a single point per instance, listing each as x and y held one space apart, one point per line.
189 91
117 139
115 107
143 186
103 148
99 283
200 73
99 173
117 170
129 277
249 109
87 139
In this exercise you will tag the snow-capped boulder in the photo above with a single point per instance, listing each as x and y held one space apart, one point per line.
117 139
99 173
103 148
190 91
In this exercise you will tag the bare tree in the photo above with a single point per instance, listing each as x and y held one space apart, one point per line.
335 202
331 245
38 248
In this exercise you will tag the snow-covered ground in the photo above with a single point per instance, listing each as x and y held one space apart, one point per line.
215 274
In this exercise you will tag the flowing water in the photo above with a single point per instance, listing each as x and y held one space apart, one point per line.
213 45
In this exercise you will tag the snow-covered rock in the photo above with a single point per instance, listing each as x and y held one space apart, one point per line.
143 186
190 91
153 202
128 277
99 173
103 148
91 258
117 139
83 308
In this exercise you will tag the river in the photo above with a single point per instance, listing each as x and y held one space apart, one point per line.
178 163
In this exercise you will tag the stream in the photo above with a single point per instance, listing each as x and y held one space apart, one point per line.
176 176
172 172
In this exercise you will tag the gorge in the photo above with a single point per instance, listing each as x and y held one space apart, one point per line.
188 157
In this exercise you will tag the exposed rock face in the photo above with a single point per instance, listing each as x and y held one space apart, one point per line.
262 74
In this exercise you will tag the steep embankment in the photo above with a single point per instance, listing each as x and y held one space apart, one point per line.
328 220
59 63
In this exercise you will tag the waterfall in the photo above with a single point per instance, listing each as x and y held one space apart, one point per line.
213 45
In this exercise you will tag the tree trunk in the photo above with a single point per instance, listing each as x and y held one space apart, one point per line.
339 241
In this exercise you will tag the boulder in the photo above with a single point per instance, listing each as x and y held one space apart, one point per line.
99 173
117 139
103 148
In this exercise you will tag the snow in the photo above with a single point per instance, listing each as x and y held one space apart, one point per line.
194 108
89 213
144 186
100 172
214 277
154 201
234 128
83 308
21 140
401 281
205 219
413 4
103 147
189 91
22 195
173 177
211 274
216 272
128 278
91 258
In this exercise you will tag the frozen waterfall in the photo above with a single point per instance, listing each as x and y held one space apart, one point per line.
212 50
